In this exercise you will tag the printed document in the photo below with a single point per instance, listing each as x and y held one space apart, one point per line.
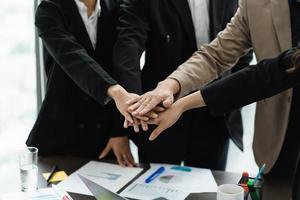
172 184
110 176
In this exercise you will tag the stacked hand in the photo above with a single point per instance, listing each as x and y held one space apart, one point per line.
159 101
154 107
120 145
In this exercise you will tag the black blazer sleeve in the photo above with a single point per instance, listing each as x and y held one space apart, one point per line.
251 84
69 54
132 29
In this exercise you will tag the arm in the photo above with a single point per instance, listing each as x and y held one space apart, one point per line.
253 83
87 74
205 65
132 30
220 55
69 54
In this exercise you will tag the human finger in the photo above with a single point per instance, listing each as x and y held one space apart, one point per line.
133 100
120 159
148 107
136 127
157 131
143 103
144 126
105 152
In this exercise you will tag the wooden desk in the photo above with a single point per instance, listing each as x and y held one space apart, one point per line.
273 189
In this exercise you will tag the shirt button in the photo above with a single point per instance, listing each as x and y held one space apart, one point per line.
168 38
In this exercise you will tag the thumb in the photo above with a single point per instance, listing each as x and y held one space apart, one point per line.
156 132
168 102
105 151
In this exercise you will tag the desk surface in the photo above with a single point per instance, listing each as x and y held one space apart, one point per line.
273 189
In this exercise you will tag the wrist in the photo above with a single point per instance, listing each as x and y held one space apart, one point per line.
194 100
114 91
169 84
182 105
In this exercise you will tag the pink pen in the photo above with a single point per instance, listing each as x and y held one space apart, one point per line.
63 195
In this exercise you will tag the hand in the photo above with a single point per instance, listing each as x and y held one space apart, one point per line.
151 115
171 115
121 96
162 94
121 149
165 120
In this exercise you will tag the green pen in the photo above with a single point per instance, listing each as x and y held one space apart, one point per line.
254 195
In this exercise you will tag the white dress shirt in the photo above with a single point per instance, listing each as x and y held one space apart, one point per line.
91 23
200 16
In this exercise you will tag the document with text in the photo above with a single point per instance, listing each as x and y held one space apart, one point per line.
175 183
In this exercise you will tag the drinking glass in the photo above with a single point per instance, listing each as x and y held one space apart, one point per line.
29 169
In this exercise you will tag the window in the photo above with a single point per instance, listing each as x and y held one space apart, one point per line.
17 74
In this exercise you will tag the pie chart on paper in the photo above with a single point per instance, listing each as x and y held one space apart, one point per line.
166 179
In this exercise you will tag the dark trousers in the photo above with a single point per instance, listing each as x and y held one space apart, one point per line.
296 187
197 139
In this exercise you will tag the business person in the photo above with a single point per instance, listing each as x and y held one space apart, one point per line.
253 83
78 37
270 28
169 31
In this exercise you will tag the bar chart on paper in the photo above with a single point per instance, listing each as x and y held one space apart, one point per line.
105 175
140 189
110 176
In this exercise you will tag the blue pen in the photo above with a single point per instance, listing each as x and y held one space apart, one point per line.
158 172
261 171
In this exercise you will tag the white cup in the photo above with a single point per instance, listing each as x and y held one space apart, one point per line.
230 192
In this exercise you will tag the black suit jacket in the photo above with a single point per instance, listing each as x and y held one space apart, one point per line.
254 83
296 188
164 28
73 118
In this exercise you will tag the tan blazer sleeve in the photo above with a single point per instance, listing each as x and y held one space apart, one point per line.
221 54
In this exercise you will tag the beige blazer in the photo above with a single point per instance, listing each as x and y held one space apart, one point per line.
263 25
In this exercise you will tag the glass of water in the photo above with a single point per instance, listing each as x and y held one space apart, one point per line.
29 169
